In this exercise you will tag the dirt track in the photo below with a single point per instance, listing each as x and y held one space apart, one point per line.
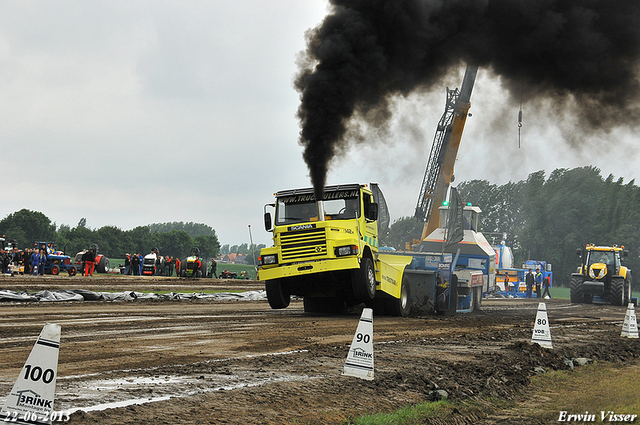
193 362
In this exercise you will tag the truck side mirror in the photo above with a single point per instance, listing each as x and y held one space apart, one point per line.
625 252
267 222
579 252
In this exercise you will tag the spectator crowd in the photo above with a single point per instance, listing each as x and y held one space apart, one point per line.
32 260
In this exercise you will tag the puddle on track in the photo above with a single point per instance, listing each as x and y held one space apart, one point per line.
112 393
75 393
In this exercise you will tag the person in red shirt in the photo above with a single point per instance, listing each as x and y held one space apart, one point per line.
196 267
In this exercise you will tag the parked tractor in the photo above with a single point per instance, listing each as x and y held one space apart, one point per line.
56 261
7 245
153 264
102 262
601 276
194 265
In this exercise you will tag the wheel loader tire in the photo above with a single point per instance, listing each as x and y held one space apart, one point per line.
364 281
400 307
277 294
617 291
576 293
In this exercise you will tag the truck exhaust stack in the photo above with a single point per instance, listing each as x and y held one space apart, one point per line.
320 210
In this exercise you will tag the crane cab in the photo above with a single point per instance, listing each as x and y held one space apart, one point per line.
470 216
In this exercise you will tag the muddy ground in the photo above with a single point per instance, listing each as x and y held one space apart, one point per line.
239 362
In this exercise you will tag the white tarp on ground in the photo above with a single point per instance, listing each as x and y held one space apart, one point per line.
85 295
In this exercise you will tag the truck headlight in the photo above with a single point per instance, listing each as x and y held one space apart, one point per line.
268 259
342 251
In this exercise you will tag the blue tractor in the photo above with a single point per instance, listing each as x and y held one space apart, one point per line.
56 261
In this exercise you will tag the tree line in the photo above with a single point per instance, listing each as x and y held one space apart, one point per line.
540 218
548 218
175 239
251 252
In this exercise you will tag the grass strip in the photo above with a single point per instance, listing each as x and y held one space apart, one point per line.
596 391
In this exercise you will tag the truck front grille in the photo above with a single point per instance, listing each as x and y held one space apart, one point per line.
303 245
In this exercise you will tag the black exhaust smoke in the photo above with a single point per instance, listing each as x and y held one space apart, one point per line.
583 53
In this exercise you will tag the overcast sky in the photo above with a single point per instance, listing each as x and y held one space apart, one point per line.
137 112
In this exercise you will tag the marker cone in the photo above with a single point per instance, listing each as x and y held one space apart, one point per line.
630 325
541 332
359 361
31 399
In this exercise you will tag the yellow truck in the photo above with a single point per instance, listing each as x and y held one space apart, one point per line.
328 253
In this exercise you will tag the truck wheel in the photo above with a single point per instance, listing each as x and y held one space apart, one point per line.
453 305
402 306
364 281
477 298
72 271
617 291
331 305
55 270
575 290
311 304
277 294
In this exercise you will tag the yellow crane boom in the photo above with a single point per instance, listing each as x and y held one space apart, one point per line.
439 172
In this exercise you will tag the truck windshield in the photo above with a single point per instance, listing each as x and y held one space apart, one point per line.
288 211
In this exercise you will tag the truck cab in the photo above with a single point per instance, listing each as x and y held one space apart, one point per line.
321 251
